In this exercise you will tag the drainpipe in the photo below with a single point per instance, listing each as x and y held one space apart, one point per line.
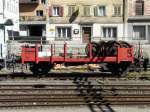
124 17
3 7
47 18
5 65
4 17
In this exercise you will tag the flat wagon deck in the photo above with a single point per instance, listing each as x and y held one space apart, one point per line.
33 56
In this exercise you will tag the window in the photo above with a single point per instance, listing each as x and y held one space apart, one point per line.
139 32
86 10
43 1
109 32
100 11
117 10
63 33
139 8
33 0
71 10
39 13
57 11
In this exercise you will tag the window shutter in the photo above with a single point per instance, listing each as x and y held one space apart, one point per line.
61 11
119 11
69 11
139 8
50 11
95 11
86 11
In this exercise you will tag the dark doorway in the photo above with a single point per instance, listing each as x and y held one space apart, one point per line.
35 30
86 34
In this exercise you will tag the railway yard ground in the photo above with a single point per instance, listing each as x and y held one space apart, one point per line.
93 68
80 95
79 109
73 90
60 68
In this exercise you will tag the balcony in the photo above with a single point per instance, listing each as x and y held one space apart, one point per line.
28 1
32 18
142 18
29 39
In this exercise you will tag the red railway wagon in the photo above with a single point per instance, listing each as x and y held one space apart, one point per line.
117 64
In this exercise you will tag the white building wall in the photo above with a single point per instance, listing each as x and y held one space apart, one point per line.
97 31
23 30
9 9
12 12
51 33
77 38
1 6
130 30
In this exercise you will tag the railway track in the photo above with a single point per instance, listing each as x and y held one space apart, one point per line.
71 93
65 76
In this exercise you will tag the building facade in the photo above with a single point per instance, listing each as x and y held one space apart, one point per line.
9 10
9 22
138 28
33 18
79 21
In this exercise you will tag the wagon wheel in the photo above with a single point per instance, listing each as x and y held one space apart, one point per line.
120 70
94 49
113 67
124 68
40 68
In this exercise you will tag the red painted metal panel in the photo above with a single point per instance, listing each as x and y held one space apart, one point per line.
82 60
22 54
125 54
28 54
31 55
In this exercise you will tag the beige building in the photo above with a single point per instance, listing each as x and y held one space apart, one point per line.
33 18
78 21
